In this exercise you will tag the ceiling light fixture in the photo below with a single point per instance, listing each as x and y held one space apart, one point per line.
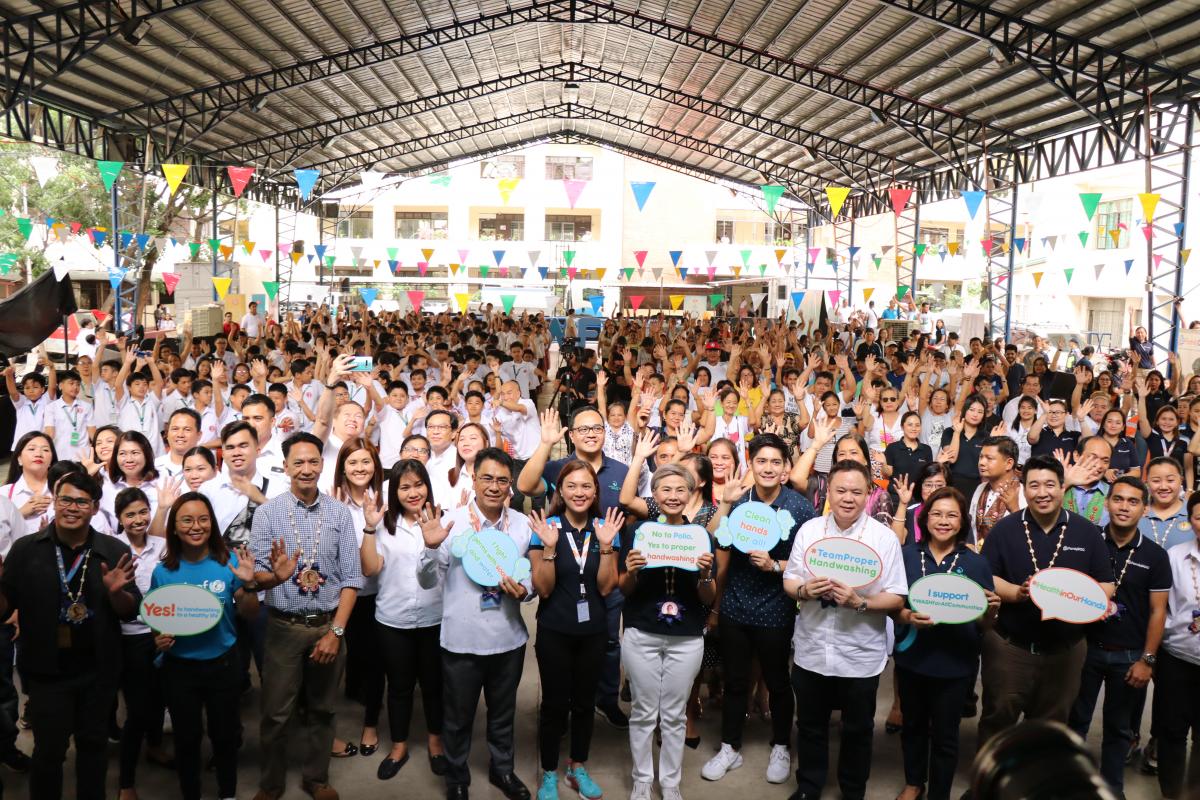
135 29
570 93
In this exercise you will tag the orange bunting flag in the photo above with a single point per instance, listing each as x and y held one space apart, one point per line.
1037 279
249 248
953 248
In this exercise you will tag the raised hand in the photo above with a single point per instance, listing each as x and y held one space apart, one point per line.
283 566
646 444
119 576
431 526
825 431
904 490
1084 409
687 435
168 490
606 532
372 510
245 566
545 531
552 431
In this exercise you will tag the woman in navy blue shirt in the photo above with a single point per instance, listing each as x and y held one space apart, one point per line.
202 673
936 664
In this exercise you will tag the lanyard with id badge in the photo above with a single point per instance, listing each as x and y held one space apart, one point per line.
580 554
76 439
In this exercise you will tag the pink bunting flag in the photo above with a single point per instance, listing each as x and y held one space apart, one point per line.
504 272
571 273
712 273
636 300
416 298
1148 232
1158 257
834 296
265 254
238 178
640 255
899 199
987 245
171 280
422 267
462 255
814 253
574 189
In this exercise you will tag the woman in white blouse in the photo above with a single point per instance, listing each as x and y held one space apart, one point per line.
358 482
27 480
131 465
408 615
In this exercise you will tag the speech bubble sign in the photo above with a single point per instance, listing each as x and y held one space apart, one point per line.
181 609
1069 595
755 526
847 560
947 598
671 545
487 553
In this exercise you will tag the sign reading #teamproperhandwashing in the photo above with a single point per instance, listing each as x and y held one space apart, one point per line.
1069 595
671 545
947 598
487 554
181 609
755 526
846 560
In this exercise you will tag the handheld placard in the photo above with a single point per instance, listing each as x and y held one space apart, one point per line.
181 609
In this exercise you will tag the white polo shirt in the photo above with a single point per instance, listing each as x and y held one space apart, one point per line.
228 502
402 601
523 430
70 422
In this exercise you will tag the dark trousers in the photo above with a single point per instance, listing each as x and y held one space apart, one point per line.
464 676
200 691
252 636
142 690
1018 683
1176 711
412 655
1107 668
62 709
569 668
816 697
739 645
608 687
9 699
932 711
364 667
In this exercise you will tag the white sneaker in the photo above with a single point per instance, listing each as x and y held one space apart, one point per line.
726 759
641 791
671 793
779 768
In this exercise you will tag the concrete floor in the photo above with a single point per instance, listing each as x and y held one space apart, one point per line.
609 762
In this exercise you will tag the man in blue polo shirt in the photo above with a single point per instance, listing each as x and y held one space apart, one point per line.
538 475
1031 666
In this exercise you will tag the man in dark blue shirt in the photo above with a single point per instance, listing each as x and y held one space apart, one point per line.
1123 648
1031 666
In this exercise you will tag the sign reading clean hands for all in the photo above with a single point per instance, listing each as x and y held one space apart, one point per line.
1069 595
848 561
671 545
488 554
947 598
182 609
755 526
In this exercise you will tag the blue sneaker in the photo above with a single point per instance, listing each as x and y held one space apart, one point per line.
579 780
549 788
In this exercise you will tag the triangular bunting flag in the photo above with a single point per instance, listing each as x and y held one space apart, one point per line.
1019 243
779 254
483 270
628 272
682 273
1068 272
441 180
675 254
1158 258
1128 266
238 178
797 299
1099 268
597 301
571 272
543 271
368 295
901 290
1037 279
428 254
568 257
1091 201
498 255
508 300
676 301
657 273
1148 231
834 296
170 281
573 190
25 225
973 200
1083 237
1184 254
641 192
109 170
919 248
306 179
636 300
534 255
267 254
745 254
194 250
953 248
771 195
867 294
416 298
1149 201
712 273
115 276
222 286
837 198
393 265
899 198
319 249
423 267
227 251
1178 229
507 186
142 240
737 271
814 253
711 256
878 261
463 301
762 269
174 173
640 257
1115 235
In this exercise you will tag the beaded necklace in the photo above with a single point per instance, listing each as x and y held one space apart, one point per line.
1062 535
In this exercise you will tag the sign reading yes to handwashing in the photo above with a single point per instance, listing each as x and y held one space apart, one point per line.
671 545
1069 595
846 560
181 609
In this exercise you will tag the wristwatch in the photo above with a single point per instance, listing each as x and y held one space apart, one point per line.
861 607
337 631
1150 658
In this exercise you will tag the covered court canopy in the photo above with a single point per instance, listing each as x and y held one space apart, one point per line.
936 96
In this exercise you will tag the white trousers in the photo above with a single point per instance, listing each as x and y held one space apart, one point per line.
661 670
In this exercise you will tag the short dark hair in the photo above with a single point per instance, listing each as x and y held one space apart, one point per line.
81 481
1004 446
848 465
1193 501
762 441
945 493
1136 483
1047 463
1160 461
453 421
258 399
236 427
187 412
494 454
68 375
301 438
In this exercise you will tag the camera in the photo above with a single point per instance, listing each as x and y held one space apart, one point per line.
1037 760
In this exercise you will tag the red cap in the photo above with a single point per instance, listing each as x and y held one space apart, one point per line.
712 346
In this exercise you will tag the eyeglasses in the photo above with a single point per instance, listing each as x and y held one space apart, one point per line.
492 480
889 399
63 501
191 522
421 451
584 429
437 427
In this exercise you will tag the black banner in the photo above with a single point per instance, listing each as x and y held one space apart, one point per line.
31 315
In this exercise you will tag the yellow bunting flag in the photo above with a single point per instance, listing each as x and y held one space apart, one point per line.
222 286
1149 201
249 248
462 300
676 301
837 197
428 253
600 273
174 174
507 186
867 294
737 272
953 248
1183 255
1115 235
899 260
297 256
1037 279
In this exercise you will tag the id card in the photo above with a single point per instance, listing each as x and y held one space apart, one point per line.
489 600
582 613
76 438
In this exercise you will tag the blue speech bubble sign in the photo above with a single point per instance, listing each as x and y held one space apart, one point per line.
488 553
755 526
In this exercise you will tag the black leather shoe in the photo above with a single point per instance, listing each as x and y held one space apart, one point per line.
439 765
389 767
510 784
457 793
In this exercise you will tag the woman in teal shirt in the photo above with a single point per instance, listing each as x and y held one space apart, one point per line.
202 673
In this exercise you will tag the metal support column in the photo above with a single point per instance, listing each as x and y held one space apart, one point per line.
1000 251
843 274
1168 134
127 290
906 231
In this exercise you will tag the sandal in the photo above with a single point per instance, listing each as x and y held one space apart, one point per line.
350 750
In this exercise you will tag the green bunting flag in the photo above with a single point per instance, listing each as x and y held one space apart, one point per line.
271 288
568 256
1069 271
25 225
714 300
508 300
109 170
771 195
1091 201
1083 237
901 290
194 249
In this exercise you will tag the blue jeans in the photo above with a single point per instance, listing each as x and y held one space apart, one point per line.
610 673
1107 668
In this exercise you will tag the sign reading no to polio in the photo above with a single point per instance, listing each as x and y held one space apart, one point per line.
671 545
846 560
947 598
755 526
488 554
1069 595
181 609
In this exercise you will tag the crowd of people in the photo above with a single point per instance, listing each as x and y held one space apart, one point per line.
322 477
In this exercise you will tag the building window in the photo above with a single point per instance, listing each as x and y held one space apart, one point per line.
1110 216
568 168
502 167
421 225
501 227
357 225
724 231
777 233
568 228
